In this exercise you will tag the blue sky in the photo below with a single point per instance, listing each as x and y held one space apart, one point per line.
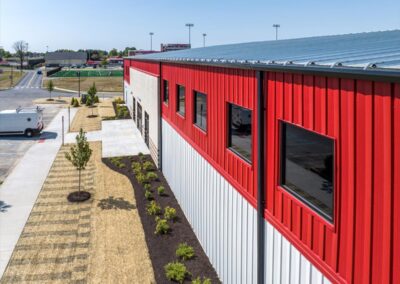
75 24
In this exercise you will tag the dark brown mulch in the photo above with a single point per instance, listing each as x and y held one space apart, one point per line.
78 196
162 247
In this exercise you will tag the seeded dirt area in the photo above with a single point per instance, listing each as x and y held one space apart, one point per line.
83 119
97 241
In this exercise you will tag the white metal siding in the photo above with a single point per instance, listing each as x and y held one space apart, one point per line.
225 223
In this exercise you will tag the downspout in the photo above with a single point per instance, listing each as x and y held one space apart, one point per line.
260 180
160 118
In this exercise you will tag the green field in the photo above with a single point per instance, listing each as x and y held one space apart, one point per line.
88 73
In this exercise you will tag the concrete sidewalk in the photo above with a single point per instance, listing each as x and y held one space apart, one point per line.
119 138
20 189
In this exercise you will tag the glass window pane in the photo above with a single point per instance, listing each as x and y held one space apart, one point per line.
166 92
200 117
307 167
240 132
181 100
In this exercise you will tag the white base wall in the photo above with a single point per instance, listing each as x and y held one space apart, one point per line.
225 223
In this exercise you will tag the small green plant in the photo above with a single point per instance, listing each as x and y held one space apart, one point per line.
96 99
117 161
136 165
199 281
170 213
184 251
161 190
76 103
176 271
72 101
147 186
148 195
148 166
153 208
141 178
119 100
151 176
162 226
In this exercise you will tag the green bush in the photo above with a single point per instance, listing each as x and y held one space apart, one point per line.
148 166
151 176
117 161
170 213
184 251
147 186
141 178
96 100
162 226
72 101
199 281
119 101
76 102
88 101
176 271
160 190
153 208
148 195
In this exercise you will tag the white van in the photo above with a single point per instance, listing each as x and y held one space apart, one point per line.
26 121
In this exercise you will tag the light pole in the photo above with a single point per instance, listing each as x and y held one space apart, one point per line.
47 48
151 40
276 26
204 40
189 26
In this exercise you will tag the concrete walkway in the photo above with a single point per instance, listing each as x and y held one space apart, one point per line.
119 137
20 189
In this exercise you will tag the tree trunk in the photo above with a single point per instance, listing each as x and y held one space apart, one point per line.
79 186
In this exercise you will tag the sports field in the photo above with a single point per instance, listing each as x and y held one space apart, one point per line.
88 73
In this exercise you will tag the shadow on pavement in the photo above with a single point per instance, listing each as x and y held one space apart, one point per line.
4 206
44 135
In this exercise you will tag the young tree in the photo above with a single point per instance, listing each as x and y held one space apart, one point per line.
92 94
20 47
50 88
79 156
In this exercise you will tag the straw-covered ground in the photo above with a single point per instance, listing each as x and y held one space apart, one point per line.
98 241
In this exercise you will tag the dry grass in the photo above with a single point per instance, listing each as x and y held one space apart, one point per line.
89 242
83 120
5 81
103 84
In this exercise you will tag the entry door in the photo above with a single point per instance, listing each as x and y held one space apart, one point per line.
139 118
146 128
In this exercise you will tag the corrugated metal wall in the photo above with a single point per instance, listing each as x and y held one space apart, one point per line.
225 223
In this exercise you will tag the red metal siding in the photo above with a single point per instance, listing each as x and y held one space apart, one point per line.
152 68
362 246
363 117
127 63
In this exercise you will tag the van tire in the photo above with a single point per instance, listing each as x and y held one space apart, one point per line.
28 133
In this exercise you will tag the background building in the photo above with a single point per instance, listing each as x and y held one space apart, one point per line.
174 46
283 154
65 58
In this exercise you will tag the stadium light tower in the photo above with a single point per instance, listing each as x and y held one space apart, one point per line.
204 40
276 26
151 40
189 26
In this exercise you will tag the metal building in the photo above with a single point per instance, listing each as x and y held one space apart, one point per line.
284 155
65 58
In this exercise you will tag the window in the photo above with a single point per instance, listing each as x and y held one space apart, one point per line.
134 109
307 167
139 118
166 92
240 137
200 110
180 100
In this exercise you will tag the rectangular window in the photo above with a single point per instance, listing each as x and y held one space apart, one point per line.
166 91
307 167
180 100
200 110
240 131
134 109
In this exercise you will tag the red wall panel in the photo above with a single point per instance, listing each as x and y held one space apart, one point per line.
363 117
150 67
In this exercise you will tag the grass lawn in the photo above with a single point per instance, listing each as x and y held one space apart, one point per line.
103 84
89 73
5 81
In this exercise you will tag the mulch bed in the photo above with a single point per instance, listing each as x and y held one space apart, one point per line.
162 247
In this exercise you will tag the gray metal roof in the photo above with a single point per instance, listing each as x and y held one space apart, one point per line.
66 55
365 51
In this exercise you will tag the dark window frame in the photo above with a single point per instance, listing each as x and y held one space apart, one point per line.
178 96
134 109
229 133
165 92
329 220
195 123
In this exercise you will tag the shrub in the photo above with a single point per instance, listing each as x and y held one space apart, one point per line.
152 176
170 213
198 281
162 226
88 101
147 186
141 178
176 271
117 161
96 99
119 101
141 156
136 165
153 208
184 251
148 166
76 102
148 195
72 101
160 190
